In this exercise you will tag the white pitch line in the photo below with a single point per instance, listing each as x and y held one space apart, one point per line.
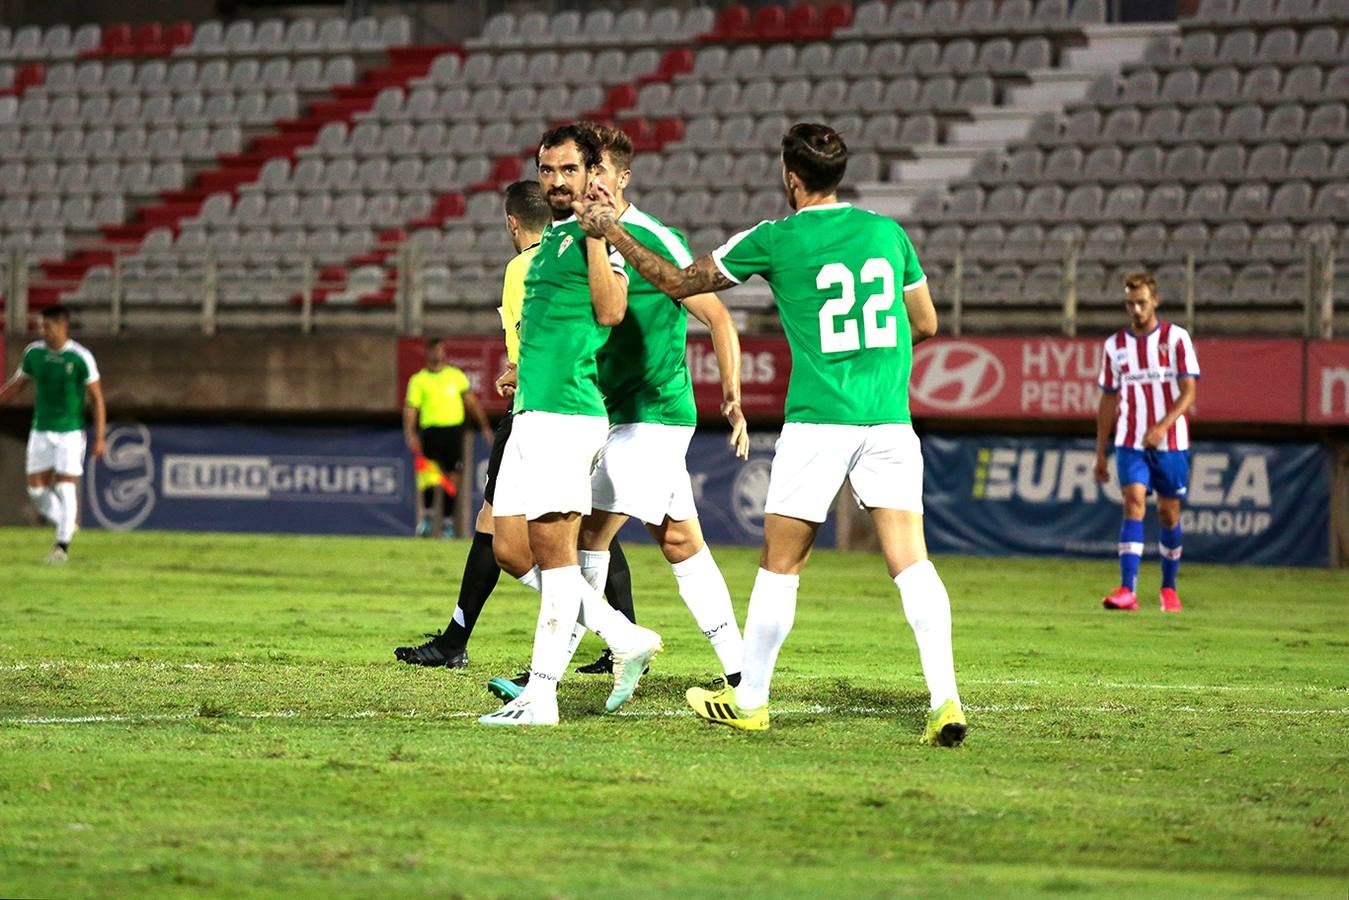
647 714
987 682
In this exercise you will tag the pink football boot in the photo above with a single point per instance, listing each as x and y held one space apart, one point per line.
1122 598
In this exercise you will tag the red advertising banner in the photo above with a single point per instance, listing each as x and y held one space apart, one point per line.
1328 382
1249 380
1243 379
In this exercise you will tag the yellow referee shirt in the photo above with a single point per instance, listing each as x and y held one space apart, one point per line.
438 396
513 299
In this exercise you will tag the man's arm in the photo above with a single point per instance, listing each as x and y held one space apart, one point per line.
508 380
476 411
922 314
95 389
708 309
1157 433
1105 424
12 387
608 289
410 430
599 219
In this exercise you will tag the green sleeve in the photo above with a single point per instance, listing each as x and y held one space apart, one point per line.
748 253
913 272
461 381
414 396
25 366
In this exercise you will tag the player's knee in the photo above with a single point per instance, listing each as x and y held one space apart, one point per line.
679 544
512 556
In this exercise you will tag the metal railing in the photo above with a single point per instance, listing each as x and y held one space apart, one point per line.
396 286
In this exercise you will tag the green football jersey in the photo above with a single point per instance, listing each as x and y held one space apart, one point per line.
559 336
838 275
644 372
59 378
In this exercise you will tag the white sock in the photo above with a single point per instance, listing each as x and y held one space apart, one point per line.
611 625
559 603
928 609
595 568
46 502
530 579
707 597
70 507
772 608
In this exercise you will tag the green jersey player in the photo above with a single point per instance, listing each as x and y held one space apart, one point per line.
648 394
62 372
575 291
853 301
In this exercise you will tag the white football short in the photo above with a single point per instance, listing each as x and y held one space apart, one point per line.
883 462
547 463
59 450
641 472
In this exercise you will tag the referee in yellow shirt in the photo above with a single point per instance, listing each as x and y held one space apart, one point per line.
433 419
527 215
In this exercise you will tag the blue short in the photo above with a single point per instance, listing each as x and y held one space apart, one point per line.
1165 471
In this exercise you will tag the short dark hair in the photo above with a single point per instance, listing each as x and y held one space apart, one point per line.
816 154
585 140
614 140
57 313
1135 280
433 342
525 201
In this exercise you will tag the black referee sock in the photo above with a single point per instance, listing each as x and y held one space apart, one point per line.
618 589
478 581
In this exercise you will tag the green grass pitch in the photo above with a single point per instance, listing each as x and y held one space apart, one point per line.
222 715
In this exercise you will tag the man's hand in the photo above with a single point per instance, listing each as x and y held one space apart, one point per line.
1155 435
739 429
508 381
100 447
597 213
1102 470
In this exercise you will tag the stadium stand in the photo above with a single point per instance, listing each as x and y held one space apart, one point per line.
167 170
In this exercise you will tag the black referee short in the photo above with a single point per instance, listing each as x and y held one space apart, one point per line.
444 446
502 435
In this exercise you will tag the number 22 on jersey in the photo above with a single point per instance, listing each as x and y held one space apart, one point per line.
840 334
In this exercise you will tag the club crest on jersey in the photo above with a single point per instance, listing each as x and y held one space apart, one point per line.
70 368
1164 355
562 248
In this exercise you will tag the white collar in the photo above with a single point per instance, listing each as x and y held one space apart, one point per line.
823 206
569 219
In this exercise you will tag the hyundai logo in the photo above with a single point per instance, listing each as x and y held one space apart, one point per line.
955 376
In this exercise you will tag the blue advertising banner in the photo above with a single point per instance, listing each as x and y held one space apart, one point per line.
302 480
730 493
1248 503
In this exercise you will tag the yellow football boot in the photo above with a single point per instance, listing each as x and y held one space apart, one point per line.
945 725
720 707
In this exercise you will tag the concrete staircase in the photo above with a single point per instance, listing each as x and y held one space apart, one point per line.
935 167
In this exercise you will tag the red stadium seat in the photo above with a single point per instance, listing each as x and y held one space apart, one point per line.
770 24
804 23
643 135
669 130
620 96
117 40
836 16
675 62
733 23
179 34
149 39
28 76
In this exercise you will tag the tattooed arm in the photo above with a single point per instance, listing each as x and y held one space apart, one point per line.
600 219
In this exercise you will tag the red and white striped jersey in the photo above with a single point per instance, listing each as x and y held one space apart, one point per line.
1146 371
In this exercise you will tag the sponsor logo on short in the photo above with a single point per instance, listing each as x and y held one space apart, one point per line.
956 375
218 477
